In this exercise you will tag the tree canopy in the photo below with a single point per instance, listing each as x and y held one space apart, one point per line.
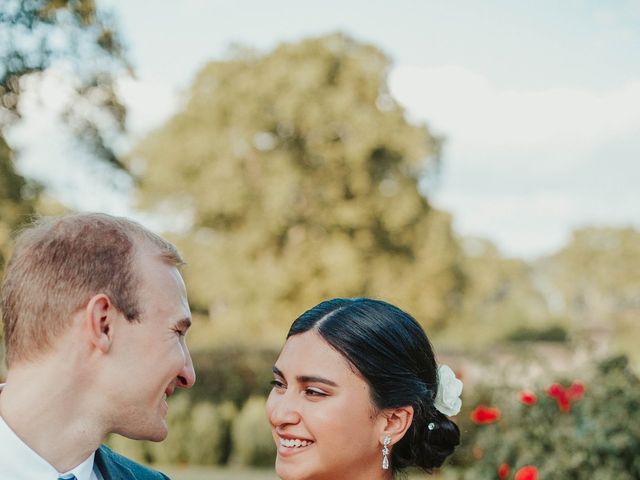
76 37
299 176
36 35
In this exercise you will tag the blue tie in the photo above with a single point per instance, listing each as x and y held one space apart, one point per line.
71 476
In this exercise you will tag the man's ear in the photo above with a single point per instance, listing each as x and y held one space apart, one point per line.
99 315
395 423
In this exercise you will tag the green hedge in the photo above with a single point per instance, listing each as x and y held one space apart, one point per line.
204 433
221 419
550 334
251 434
232 373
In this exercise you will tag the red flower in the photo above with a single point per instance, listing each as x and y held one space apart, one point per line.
555 390
527 473
576 391
503 471
528 398
564 397
561 396
482 415
563 403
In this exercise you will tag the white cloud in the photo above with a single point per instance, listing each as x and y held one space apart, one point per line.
149 103
523 167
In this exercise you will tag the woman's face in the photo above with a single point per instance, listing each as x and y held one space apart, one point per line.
321 415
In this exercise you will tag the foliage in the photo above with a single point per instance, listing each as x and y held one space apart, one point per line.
598 269
232 373
302 179
596 277
134 449
501 295
550 334
587 292
199 434
204 433
252 440
564 432
17 200
209 440
36 35
175 448
72 35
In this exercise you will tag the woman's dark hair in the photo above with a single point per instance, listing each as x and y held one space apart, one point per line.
393 354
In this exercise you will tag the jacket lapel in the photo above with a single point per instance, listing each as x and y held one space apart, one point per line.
110 468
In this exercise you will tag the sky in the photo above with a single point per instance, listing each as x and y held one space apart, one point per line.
538 102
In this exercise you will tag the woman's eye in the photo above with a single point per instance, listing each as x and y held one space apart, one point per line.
312 392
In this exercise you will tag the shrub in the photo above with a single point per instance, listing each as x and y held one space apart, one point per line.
551 334
133 449
563 431
209 438
251 435
232 373
173 450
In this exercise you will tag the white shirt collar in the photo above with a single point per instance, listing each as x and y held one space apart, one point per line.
19 462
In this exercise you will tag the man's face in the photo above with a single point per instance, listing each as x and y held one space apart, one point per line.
151 356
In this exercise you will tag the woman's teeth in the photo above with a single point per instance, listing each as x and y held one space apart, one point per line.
290 443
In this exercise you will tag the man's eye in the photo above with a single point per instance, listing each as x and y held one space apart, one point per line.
277 384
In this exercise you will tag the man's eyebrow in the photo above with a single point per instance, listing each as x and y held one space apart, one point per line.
308 378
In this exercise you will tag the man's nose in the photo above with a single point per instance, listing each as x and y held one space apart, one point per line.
187 375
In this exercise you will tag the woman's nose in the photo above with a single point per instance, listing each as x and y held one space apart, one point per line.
282 409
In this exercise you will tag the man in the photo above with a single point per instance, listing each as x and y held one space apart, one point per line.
95 314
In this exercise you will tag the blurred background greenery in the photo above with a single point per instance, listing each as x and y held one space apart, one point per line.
301 178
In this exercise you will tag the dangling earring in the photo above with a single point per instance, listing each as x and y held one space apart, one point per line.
385 452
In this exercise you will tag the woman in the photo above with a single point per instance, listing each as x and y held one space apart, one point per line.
357 395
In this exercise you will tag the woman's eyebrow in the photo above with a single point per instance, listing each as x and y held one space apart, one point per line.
307 378
315 379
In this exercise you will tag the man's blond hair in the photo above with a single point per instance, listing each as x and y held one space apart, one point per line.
59 263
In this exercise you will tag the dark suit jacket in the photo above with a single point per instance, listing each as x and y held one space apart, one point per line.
116 467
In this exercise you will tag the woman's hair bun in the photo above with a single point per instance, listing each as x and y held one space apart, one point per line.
431 438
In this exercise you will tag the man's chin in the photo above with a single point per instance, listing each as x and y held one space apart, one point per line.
159 434
156 434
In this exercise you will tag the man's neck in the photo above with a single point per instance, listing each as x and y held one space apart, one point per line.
39 403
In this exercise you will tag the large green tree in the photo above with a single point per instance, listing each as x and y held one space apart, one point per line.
79 40
502 296
75 37
299 176
596 276
597 271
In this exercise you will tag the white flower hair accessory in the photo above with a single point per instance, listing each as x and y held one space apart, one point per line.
447 399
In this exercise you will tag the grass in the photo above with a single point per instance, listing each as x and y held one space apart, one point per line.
208 473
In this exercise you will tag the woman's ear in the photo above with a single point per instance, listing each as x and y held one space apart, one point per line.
99 314
395 423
